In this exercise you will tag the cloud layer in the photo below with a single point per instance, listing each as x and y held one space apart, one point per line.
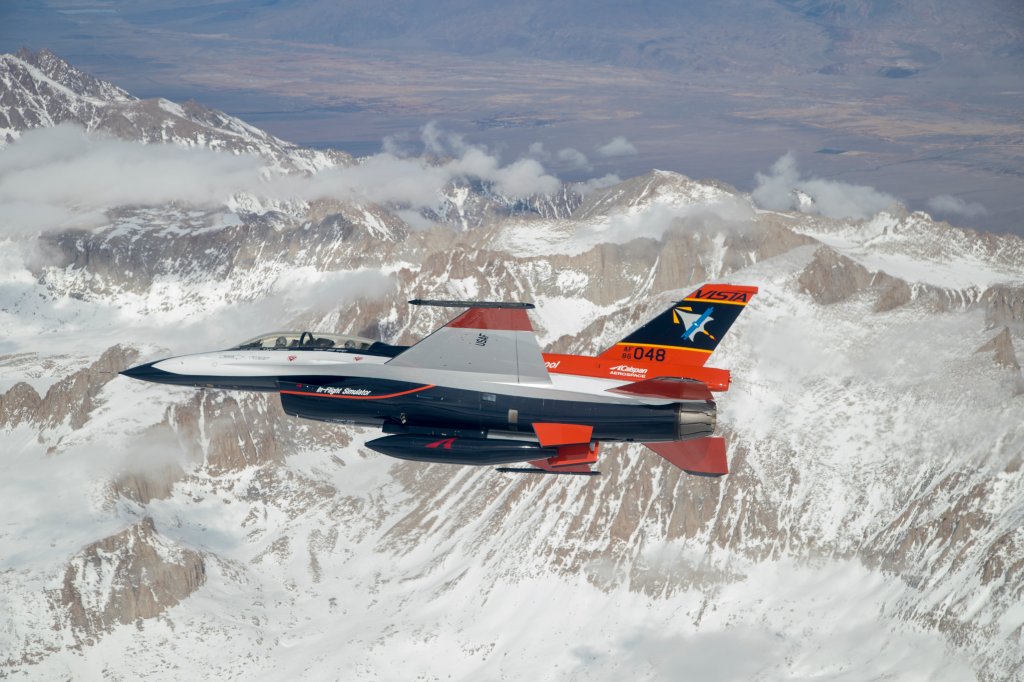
63 177
780 190
949 205
620 146
54 178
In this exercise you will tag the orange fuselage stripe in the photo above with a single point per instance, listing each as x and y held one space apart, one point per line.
360 397
604 368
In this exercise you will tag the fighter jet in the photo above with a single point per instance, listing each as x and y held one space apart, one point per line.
480 391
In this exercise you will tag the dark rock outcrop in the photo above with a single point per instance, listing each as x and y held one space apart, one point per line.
832 278
69 400
132 575
1001 346
19 404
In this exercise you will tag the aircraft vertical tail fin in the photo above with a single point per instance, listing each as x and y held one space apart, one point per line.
490 338
685 334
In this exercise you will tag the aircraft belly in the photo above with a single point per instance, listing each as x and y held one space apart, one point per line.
426 406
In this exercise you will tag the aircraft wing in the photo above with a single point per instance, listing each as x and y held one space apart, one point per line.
494 339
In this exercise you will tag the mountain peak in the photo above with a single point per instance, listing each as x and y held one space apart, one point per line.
39 89
64 74
666 187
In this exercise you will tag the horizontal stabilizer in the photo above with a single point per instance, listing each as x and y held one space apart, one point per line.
669 388
700 457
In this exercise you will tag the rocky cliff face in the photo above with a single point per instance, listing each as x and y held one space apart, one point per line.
1001 346
128 576
872 520
71 399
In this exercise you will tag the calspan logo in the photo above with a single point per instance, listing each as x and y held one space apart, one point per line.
628 371
694 324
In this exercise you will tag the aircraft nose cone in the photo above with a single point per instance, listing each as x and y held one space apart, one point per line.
146 372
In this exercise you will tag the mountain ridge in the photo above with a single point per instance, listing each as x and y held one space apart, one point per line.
871 524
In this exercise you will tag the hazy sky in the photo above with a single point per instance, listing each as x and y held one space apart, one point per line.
915 100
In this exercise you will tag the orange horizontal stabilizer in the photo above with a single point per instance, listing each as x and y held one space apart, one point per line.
701 457
553 435
667 387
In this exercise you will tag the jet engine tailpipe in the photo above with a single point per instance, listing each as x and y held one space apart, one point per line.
695 423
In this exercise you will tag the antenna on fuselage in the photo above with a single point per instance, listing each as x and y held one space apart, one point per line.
472 304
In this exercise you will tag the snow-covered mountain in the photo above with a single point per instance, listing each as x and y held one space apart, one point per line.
40 89
871 527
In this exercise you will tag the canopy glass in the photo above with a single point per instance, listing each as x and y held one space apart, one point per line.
305 341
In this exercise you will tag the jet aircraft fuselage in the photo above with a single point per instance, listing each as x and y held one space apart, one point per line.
479 390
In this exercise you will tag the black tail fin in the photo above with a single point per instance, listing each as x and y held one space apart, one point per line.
689 331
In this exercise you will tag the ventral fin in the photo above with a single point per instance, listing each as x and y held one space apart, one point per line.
552 435
700 457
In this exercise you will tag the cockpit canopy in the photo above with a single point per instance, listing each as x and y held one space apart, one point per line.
305 341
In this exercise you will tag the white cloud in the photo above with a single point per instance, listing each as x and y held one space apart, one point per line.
380 178
831 198
64 177
655 219
415 219
297 293
440 142
211 320
620 146
397 145
948 204
594 184
523 178
54 178
310 289
574 158
536 150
